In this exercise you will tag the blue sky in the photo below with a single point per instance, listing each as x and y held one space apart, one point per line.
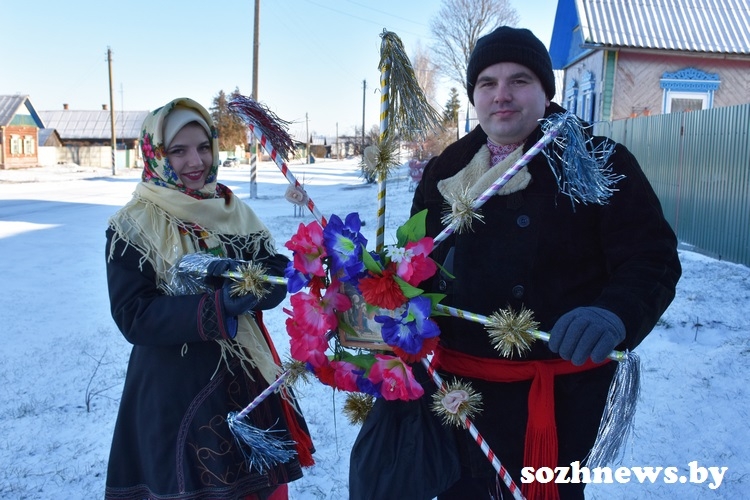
314 54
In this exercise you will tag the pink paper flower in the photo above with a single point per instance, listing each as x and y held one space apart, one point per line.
305 346
397 379
413 262
307 245
345 375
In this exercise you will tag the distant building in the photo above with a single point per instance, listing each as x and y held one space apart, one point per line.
19 132
623 58
87 135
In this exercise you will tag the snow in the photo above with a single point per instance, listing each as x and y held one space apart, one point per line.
64 360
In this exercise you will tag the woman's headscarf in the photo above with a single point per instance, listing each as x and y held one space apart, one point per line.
159 128
164 224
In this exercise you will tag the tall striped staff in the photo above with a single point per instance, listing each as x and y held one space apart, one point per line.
511 332
271 134
579 167
404 114
462 416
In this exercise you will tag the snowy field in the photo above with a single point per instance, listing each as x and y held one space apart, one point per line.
64 361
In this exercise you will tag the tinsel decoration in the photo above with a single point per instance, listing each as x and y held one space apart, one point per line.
263 448
619 412
510 331
411 115
357 406
381 158
618 417
404 112
580 167
478 439
271 133
256 114
455 402
461 213
250 277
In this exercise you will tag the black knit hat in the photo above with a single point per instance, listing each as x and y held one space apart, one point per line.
507 44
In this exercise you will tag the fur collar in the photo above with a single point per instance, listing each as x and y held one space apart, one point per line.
475 179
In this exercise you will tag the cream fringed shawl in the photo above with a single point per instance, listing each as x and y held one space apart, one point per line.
155 223
475 178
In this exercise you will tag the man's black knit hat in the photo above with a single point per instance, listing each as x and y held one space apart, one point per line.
507 44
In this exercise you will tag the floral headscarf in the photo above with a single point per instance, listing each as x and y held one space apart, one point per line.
157 169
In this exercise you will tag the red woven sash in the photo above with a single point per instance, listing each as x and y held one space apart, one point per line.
540 444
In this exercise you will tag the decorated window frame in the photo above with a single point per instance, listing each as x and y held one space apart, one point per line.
689 89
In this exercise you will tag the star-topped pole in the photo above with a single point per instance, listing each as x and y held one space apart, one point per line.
271 132
404 114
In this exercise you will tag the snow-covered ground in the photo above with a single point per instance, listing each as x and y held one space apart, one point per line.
64 361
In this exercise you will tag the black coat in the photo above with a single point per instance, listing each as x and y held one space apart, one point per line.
535 250
171 438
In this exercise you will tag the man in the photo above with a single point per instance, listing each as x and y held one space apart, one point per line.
597 276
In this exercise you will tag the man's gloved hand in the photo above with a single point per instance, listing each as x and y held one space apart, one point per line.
216 268
234 305
586 332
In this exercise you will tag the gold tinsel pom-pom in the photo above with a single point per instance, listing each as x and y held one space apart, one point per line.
249 279
297 371
357 407
456 402
510 331
461 213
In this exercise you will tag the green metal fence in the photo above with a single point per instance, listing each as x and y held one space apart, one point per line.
699 166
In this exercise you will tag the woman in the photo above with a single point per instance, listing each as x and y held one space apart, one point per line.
196 356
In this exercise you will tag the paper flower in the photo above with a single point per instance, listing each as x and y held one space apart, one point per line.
329 261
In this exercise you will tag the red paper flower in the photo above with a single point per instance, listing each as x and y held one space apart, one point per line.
382 290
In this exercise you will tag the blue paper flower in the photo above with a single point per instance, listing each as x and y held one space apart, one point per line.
345 245
408 330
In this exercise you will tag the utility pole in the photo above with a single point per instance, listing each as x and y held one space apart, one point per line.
112 112
307 136
253 143
364 89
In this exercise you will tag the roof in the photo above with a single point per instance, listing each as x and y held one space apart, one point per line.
700 26
94 125
712 26
45 134
12 105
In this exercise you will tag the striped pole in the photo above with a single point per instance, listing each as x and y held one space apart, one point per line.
385 75
285 170
499 468
254 171
263 395
537 334
500 182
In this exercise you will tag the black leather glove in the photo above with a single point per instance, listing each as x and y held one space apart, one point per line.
586 332
234 305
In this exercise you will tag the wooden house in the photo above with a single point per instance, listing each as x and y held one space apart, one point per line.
623 58
87 135
19 132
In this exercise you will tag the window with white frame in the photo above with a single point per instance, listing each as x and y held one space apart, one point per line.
28 145
571 96
16 146
586 98
689 89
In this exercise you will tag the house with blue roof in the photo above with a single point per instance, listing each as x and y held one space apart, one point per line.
622 58
19 132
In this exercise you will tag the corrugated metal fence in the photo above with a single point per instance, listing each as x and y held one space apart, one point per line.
699 166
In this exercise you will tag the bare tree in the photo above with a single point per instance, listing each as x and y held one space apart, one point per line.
458 26
426 73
